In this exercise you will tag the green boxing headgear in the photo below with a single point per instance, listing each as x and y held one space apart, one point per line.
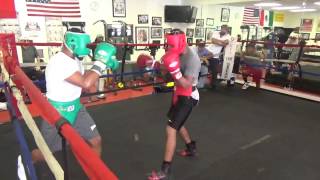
77 43
106 52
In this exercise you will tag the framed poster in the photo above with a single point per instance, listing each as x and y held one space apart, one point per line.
317 37
156 21
225 14
167 30
198 41
156 32
189 32
209 33
119 8
199 32
142 36
305 36
230 30
143 19
189 40
200 22
210 22
306 25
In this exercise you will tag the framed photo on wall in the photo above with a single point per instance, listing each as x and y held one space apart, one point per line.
189 32
200 22
198 41
199 32
230 30
142 36
305 36
210 22
306 25
119 8
143 19
156 32
225 14
209 33
317 37
167 30
189 40
156 21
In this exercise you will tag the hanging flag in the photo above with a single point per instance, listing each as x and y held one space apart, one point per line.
54 8
7 9
266 17
271 14
262 17
251 16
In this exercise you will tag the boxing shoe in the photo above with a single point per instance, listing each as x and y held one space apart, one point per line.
160 175
190 150
163 174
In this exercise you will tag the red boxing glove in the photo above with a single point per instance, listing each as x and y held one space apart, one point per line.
172 63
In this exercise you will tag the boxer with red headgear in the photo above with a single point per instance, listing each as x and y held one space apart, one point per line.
184 67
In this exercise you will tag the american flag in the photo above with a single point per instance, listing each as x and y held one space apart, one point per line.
251 16
54 8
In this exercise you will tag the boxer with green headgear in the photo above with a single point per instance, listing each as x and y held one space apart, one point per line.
77 43
65 81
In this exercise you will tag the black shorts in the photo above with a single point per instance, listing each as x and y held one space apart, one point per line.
180 111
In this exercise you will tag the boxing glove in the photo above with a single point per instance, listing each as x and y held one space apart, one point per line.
144 60
104 57
171 62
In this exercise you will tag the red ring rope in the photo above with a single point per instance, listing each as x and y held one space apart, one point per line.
154 45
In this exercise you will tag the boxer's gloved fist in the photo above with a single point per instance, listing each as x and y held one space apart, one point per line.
172 63
144 60
104 57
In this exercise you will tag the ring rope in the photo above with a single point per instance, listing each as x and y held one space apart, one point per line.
90 162
42 145
155 45
25 151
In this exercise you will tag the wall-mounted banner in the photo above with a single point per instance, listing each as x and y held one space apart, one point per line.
34 28
278 17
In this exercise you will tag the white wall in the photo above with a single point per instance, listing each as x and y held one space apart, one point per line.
294 19
214 11
134 7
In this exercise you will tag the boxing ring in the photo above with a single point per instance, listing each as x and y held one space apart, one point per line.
131 133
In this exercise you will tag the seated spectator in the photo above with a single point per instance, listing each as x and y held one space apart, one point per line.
248 70
29 55
204 55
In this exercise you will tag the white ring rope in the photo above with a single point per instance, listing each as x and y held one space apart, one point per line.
42 145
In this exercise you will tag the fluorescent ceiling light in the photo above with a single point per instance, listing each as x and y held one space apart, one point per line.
267 4
317 3
286 8
303 10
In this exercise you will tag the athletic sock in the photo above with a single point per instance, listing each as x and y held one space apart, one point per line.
165 167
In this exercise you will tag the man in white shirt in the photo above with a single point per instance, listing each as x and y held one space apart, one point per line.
294 38
219 40
65 80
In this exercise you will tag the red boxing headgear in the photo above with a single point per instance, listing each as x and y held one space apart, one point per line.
177 40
